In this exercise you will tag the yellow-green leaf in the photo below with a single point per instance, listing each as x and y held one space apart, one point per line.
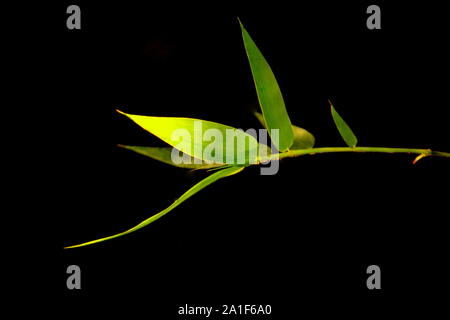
303 139
343 128
269 94
196 188
202 140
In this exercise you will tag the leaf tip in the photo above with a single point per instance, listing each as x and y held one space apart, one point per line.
240 23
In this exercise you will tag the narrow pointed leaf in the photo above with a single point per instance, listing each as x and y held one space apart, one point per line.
164 154
269 94
187 135
196 188
343 128
303 139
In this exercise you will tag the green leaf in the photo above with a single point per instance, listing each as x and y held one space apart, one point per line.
302 138
196 188
269 94
188 136
343 128
164 154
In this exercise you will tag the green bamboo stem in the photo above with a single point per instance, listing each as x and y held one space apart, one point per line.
301 152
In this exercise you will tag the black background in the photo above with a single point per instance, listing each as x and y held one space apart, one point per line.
300 240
